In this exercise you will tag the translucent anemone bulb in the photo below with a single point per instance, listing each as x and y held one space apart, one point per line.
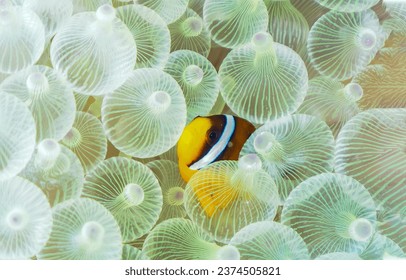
56 170
332 213
372 145
226 196
48 96
182 239
82 230
130 191
150 34
17 135
132 253
146 116
198 79
341 45
292 149
332 101
22 38
232 23
25 219
339 256
190 33
287 25
269 241
263 80
172 186
53 13
87 140
168 10
94 51
348 5
88 5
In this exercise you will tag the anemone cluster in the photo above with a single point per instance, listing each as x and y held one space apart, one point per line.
95 95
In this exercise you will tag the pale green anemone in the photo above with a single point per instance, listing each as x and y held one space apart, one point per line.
371 149
269 241
287 25
189 33
132 253
228 195
150 32
382 247
17 135
332 102
94 51
292 149
25 219
87 140
82 230
146 116
181 239
53 13
130 191
332 213
56 171
169 10
172 186
340 45
88 5
232 23
48 96
263 80
22 38
198 79
384 82
348 5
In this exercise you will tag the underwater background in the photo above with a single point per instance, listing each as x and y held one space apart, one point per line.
203 129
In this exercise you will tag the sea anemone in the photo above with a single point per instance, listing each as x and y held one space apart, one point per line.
263 80
94 51
332 213
292 149
150 33
17 135
269 241
181 239
82 230
22 38
145 117
198 79
87 140
48 96
130 191
26 219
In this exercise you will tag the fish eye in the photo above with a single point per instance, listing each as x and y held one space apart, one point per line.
213 135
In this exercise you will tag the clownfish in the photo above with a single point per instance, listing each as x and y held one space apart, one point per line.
208 139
